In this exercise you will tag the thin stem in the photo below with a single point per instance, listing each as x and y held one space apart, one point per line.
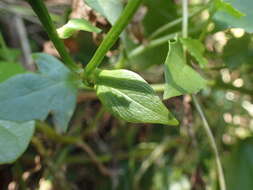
105 171
24 43
50 133
6 52
185 19
41 11
212 143
3 44
158 87
112 36
199 109
155 43
152 44
175 22
214 85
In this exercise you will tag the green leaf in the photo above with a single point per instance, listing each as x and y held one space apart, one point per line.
75 25
180 77
227 20
128 96
110 9
31 96
14 139
239 166
228 8
196 49
9 69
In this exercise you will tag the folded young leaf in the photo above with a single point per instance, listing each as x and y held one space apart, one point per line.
180 77
225 19
128 96
75 25
110 9
7 70
228 8
196 49
14 139
30 96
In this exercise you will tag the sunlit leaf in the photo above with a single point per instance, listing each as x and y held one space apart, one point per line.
128 96
196 49
227 20
26 97
14 139
75 25
180 77
110 9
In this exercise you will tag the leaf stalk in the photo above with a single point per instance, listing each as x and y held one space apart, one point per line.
112 36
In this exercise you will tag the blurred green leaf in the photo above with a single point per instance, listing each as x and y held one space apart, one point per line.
110 9
180 77
7 54
75 25
14 139
238 51
196 49
239 170
129 97
33 96
9 69
11 55
230 21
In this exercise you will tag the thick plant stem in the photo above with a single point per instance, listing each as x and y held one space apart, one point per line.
212 143
199 109
112 36
41 11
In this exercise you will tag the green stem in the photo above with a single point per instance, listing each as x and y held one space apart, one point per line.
51 134
201 112
214 85
175 22
221 85
185 19
41 11
155 43
212 143
6 52
152 44
158 87
2 43
112 36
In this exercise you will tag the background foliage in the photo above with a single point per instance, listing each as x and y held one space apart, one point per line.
99 151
